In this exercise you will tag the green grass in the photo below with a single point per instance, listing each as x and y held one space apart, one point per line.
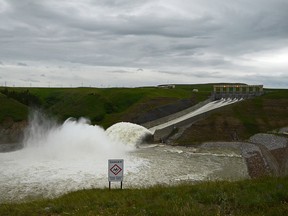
110 105
268 196
258 115
12 109
103 106
264 113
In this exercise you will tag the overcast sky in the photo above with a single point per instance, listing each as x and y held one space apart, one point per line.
105 43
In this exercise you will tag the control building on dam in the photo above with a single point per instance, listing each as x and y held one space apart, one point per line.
236 91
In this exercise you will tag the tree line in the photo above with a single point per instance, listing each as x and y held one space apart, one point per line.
24 97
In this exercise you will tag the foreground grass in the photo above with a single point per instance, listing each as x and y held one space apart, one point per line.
267 196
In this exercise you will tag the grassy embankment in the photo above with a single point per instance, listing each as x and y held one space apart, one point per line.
242 120
10 108
267 196
108 106
103 106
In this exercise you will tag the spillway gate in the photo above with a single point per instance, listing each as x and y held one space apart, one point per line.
236 91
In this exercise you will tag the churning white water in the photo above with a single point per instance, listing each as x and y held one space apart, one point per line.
128 133
72 156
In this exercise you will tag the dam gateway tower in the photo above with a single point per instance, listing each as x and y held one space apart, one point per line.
236 91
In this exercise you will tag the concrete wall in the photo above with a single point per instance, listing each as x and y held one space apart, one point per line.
219 95
175 115
236 91
163 134
224 92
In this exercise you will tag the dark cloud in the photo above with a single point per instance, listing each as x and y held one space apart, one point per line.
191 38
22 64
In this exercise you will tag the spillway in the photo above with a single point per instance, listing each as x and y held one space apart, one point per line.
208 107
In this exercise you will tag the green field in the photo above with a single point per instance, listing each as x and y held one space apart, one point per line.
106 106
267 196
10 108
101 106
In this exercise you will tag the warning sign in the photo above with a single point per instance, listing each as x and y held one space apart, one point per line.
115 170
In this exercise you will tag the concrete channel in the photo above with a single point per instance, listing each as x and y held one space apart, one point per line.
163 127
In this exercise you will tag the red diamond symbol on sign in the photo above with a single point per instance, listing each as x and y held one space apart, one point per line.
115 169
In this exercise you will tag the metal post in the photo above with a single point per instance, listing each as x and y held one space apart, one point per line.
109 185
121 185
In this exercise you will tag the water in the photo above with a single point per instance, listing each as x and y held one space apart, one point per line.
129 133
72 156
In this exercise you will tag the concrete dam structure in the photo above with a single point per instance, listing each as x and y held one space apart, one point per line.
164 127
222 95
236 91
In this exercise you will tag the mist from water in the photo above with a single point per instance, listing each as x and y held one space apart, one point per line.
72 140
58 158
129 133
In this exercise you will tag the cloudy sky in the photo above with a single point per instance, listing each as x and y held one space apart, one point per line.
105 43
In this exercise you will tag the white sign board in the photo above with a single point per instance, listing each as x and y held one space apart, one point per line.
115 170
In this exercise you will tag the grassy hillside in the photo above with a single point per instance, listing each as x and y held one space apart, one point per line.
103 106
250 197
108 106
241 120
12 109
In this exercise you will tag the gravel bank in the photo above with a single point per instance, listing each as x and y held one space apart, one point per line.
270 141
265 154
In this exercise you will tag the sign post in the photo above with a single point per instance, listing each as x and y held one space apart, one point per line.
115 171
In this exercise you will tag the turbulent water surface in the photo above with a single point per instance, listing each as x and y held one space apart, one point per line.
57 159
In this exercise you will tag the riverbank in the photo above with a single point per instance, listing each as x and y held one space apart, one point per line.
265 154
12 132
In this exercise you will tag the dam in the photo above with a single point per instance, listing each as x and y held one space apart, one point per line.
164 127
236 91
222 95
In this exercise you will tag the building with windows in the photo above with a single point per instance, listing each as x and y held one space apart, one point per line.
236 91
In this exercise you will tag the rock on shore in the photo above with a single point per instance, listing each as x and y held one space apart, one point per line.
265 154
11 134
